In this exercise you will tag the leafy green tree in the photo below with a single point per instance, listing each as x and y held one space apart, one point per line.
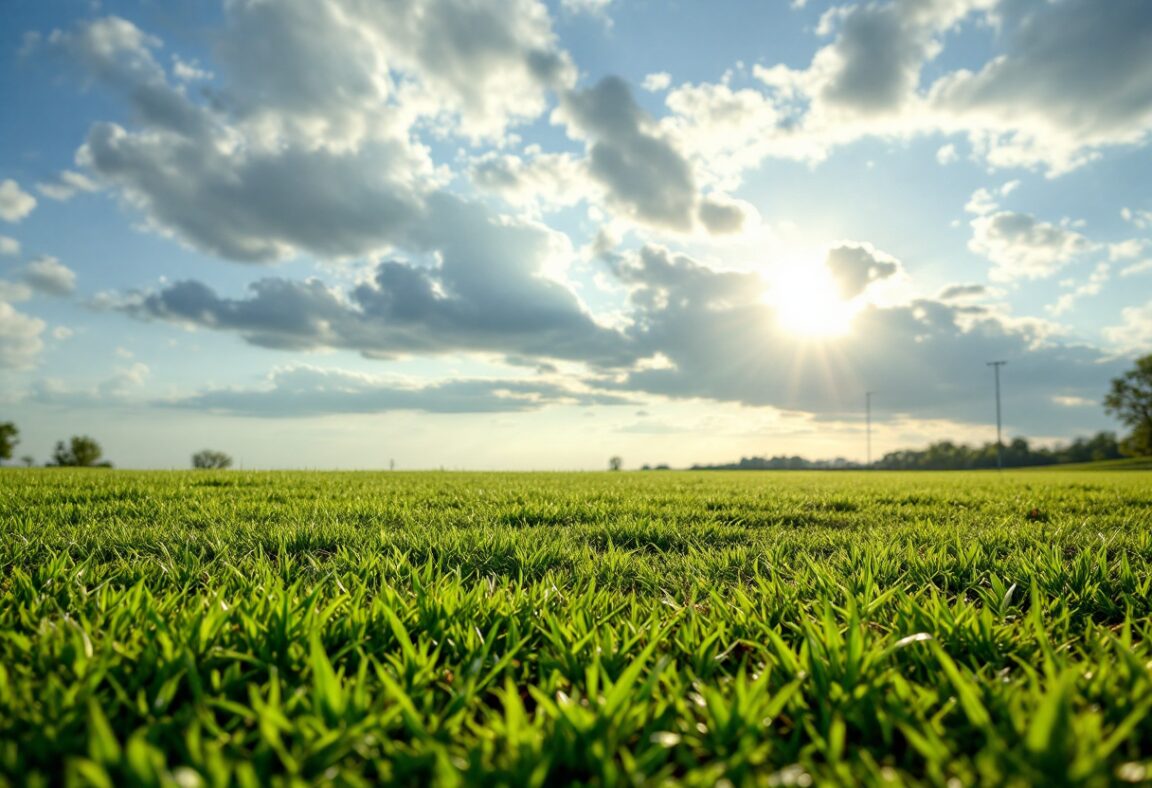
80 452
615 463
9 437
207 458
1130 400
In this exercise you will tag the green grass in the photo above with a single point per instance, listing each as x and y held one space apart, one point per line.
518 629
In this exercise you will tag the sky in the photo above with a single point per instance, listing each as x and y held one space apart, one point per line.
481 234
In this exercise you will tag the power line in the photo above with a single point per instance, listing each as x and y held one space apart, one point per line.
999 443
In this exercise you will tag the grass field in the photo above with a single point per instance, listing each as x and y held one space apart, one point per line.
776 628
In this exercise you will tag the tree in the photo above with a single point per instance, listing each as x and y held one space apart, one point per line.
9 437
207 458
615 463
80 452
1130 400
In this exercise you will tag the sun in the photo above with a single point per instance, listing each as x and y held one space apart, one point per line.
808 304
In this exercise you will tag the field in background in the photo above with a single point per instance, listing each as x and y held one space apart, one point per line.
784 628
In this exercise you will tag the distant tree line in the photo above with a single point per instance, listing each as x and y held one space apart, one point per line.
947 456
781 463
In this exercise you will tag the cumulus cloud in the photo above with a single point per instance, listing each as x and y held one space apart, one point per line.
487 292
1022 246
719 339
1070 81
855 267
303 390
644 175
547 180
20 338
488 64
48 275
873 65
15 203
309 140
1063 83
9 246
1134 332
253 206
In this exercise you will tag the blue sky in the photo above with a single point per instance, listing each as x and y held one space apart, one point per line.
447 233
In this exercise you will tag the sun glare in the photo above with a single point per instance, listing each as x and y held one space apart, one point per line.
807 303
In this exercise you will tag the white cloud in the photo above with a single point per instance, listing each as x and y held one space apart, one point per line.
656 82
14 292
15 203
546 180
1137 268
189 70
49 276
67 185
9 246
1137 217
947 154
1023 247
20 338
1064 83
1129 249
279 163
1090 287
1134 333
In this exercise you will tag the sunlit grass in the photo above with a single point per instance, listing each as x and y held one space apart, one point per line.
509 629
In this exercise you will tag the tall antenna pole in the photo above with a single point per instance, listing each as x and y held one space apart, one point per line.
868 417
999 443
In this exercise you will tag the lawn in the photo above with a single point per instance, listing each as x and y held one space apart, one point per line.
760 628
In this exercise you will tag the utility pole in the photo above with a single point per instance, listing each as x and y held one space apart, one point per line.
999 443
868 418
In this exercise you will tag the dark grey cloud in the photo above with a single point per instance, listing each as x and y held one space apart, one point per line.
721 341
485 294
698 333
720 217
49 276
302 391
854 267
953 292
874 64
644 174
1075 68
259 206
